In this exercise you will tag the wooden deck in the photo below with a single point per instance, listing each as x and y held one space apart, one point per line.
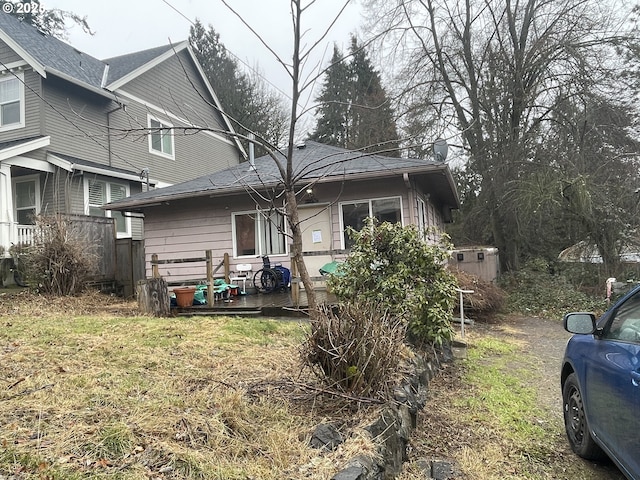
275 304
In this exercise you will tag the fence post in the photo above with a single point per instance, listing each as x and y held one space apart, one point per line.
155 271
210 294
227 270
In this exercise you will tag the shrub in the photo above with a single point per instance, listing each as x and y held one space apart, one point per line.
392 265
486 300
357 349
536 291
61 261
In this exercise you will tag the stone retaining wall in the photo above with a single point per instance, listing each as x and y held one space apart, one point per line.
393 428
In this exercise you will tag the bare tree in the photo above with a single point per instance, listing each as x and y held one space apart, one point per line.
500 69
301 56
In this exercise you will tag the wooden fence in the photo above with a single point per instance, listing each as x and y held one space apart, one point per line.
120 260
210 270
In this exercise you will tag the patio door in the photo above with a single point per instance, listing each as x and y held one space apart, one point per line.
317 238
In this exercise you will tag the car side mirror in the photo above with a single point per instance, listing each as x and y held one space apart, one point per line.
580 322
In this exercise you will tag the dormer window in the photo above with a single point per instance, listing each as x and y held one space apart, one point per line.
11 101
160 138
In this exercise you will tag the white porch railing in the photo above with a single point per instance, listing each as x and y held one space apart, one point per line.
13 234
25 234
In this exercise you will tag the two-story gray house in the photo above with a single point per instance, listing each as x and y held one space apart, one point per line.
77 132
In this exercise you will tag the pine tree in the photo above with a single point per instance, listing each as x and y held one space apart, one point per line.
354 111
246 100
332 127
373 128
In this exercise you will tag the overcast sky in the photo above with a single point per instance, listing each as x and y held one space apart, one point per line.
123 26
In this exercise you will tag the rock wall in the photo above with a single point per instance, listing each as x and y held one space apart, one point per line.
393 428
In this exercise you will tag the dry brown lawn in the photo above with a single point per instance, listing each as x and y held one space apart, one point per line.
89 389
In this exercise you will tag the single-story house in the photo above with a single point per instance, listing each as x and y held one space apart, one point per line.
237 211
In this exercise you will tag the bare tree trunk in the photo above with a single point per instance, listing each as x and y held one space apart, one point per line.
296 249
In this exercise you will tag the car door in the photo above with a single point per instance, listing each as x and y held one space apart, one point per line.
613 384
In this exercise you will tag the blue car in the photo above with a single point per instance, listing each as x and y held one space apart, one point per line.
601 384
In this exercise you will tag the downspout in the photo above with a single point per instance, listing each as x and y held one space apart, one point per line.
105 78
109 153
411 199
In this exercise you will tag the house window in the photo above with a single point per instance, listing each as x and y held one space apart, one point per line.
11 101
354 214
160 138
26 200
101 192
258 233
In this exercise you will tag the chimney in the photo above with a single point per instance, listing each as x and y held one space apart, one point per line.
252 159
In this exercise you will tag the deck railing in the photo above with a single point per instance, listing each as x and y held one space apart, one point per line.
25 234
210 270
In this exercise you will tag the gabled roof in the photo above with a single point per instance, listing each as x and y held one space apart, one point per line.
49 55
123 65
21 146
125 68
314 162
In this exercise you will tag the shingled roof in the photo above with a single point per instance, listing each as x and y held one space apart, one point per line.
125 64
313 162
50 55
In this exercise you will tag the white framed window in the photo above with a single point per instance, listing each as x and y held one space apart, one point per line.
160 137
258 233
354 214
99 192
26 199
11 101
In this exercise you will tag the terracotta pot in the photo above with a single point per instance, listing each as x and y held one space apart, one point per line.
184 296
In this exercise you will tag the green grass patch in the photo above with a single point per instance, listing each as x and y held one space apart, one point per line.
503 395
260 331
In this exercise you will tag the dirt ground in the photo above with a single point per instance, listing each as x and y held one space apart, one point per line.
544 342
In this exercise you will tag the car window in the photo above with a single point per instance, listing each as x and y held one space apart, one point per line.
625 325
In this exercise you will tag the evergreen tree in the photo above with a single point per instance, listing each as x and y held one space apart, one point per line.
333 113
373 128
248 103
354 111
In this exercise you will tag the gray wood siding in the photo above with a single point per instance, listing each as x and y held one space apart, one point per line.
166 88
137 224
195 154
56 192
7 55
170 86
66 191
75 121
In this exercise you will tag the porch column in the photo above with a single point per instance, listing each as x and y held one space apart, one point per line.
7 225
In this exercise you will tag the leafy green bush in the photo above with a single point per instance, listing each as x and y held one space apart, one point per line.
393 266
535 291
